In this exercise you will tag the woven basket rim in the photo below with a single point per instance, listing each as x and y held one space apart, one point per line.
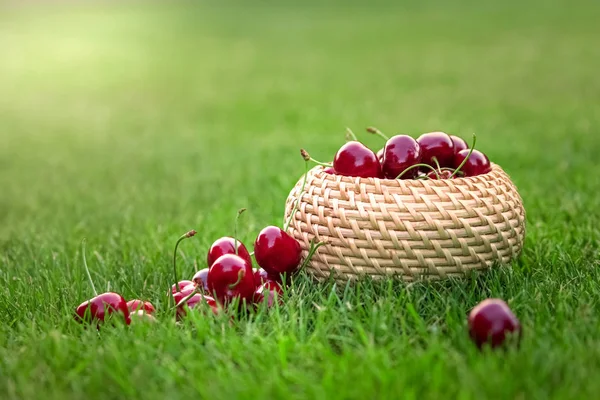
318 170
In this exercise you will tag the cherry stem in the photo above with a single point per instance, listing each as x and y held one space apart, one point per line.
350 136
377 132
241 275
186 298
466 158
235 226
437 164
419 165
181 238
313 249
307 158
87 270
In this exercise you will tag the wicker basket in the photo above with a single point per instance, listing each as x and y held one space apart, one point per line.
415 229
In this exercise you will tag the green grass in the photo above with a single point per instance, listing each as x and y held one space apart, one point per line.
129 124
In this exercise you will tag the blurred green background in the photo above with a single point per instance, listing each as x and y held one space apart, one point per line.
129 123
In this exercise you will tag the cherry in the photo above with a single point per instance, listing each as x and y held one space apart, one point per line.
261 276
140 305
459 143
180 286
443 174
476 164
329 170
269 291
186 291
400 152
141 315
101 307
380 155
231 277
277 252
192 302
438 145
356 159
491 321
201 279
227 245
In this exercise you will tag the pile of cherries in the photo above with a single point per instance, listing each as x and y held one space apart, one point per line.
433 155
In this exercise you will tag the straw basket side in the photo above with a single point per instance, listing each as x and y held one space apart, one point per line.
415 229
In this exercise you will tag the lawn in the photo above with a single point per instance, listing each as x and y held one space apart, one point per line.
130 123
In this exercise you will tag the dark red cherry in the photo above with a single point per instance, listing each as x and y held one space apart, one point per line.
270 292
261 276
400 152
226 245
101 307
277 252
145 306
380 155
439 145
201 279
231 277
459 143
444 174
477 164
193 302
180 286
356 159
329 170
491 322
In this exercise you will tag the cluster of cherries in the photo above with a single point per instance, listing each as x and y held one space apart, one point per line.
434 155
229 278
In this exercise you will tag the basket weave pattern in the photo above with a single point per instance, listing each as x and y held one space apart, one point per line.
417 229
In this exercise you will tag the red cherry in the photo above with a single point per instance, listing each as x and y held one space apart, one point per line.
476 164
356 159
277 252
459 143
261 276
231 277
141 315
226 245
491 321
269 291
102 306
329 170
193 301
380 155
180 286
201 279
439 145
186 291
145 306
400 152
444 174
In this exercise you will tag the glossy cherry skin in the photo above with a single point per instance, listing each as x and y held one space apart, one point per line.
231 277
439 145
459 143
444 174
186 291
277 252
180 285
270 292
145 306
201 279
356 159
477 164
261 276
193 301
102 306
226 245
491 322
400 152
329 170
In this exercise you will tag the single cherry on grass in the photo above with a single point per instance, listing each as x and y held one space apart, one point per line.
492 322
141 305
231 277
459 143
476 164
276 251
183 293
193 302
142 316
201 279
261 276
438 145
180 286
101 307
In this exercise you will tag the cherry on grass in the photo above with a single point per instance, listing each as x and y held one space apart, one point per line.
491 322
231 277
140 305
270 292
201 279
